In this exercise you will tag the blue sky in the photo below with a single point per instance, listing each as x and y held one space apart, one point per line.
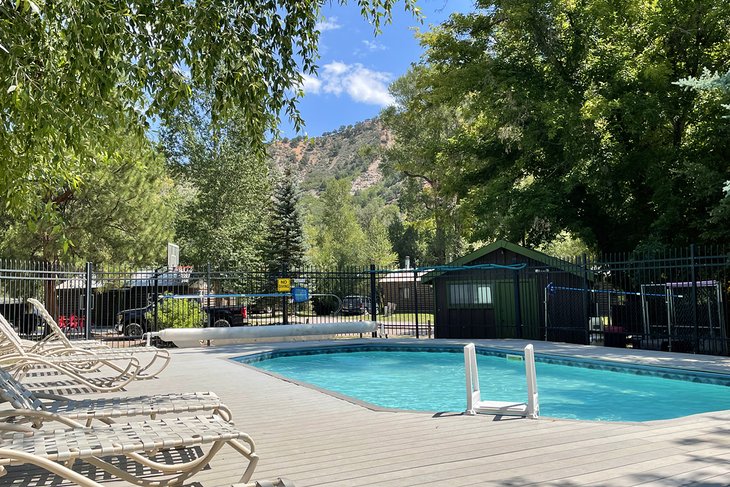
356 67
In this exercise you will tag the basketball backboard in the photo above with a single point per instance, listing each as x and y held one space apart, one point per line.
173 255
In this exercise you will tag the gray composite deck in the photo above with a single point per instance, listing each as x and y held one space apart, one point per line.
312 438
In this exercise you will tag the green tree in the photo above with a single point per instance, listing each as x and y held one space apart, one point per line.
710 82
423 151
74 72
375 217
335 236
572 121
123 212
406 241
223 216
287 237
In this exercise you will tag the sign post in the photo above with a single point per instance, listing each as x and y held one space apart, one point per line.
283 285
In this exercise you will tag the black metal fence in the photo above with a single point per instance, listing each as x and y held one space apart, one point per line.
674 301
119 304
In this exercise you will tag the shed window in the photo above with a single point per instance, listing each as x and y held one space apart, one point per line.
405 293
470 294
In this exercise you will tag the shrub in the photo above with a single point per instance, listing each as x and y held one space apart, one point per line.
177 313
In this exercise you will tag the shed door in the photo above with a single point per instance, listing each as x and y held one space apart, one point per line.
504 306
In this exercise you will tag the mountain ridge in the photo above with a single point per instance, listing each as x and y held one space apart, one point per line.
351 151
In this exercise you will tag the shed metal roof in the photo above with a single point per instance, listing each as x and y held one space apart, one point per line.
548 260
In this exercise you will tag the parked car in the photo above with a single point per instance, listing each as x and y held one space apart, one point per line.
134 323
260 306
355 305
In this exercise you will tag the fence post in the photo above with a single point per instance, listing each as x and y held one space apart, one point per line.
156 297
586 304
373 298
208 291
518 304
695 328
284 300
415 299
87 300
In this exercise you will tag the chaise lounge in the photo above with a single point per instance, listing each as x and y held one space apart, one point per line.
106 410
57 343
56 451
16 360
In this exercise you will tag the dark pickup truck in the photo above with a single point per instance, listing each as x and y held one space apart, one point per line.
134 323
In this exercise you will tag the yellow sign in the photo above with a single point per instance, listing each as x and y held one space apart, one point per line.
283 285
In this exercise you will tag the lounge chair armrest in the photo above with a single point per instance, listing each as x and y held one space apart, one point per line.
15 428
38 417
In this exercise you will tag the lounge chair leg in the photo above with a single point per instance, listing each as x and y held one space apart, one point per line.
249 453
49 466
119 473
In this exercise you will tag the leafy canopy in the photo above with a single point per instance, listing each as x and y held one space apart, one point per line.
225 188
74 71
571 121
124 213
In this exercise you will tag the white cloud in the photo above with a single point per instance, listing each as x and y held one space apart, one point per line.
334 69
310 84
327 24
363 85
374 45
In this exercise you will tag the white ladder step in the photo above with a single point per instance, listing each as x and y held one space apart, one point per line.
501 407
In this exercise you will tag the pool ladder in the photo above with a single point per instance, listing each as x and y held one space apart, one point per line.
474 403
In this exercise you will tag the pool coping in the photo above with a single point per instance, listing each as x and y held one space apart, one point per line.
492 348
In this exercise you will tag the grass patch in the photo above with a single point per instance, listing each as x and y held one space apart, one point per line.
423 318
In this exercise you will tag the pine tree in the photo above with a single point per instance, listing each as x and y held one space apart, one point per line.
287 241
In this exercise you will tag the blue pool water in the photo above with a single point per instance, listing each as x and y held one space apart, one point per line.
435 381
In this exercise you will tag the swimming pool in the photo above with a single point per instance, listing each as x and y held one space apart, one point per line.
433 380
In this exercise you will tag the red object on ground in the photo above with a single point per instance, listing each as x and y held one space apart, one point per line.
72 321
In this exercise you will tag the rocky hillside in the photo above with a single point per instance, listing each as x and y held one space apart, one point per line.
349 152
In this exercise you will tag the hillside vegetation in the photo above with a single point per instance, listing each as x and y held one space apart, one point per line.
350 152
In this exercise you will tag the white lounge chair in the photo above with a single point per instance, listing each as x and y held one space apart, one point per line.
105 409
79 366
57 343
57 450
